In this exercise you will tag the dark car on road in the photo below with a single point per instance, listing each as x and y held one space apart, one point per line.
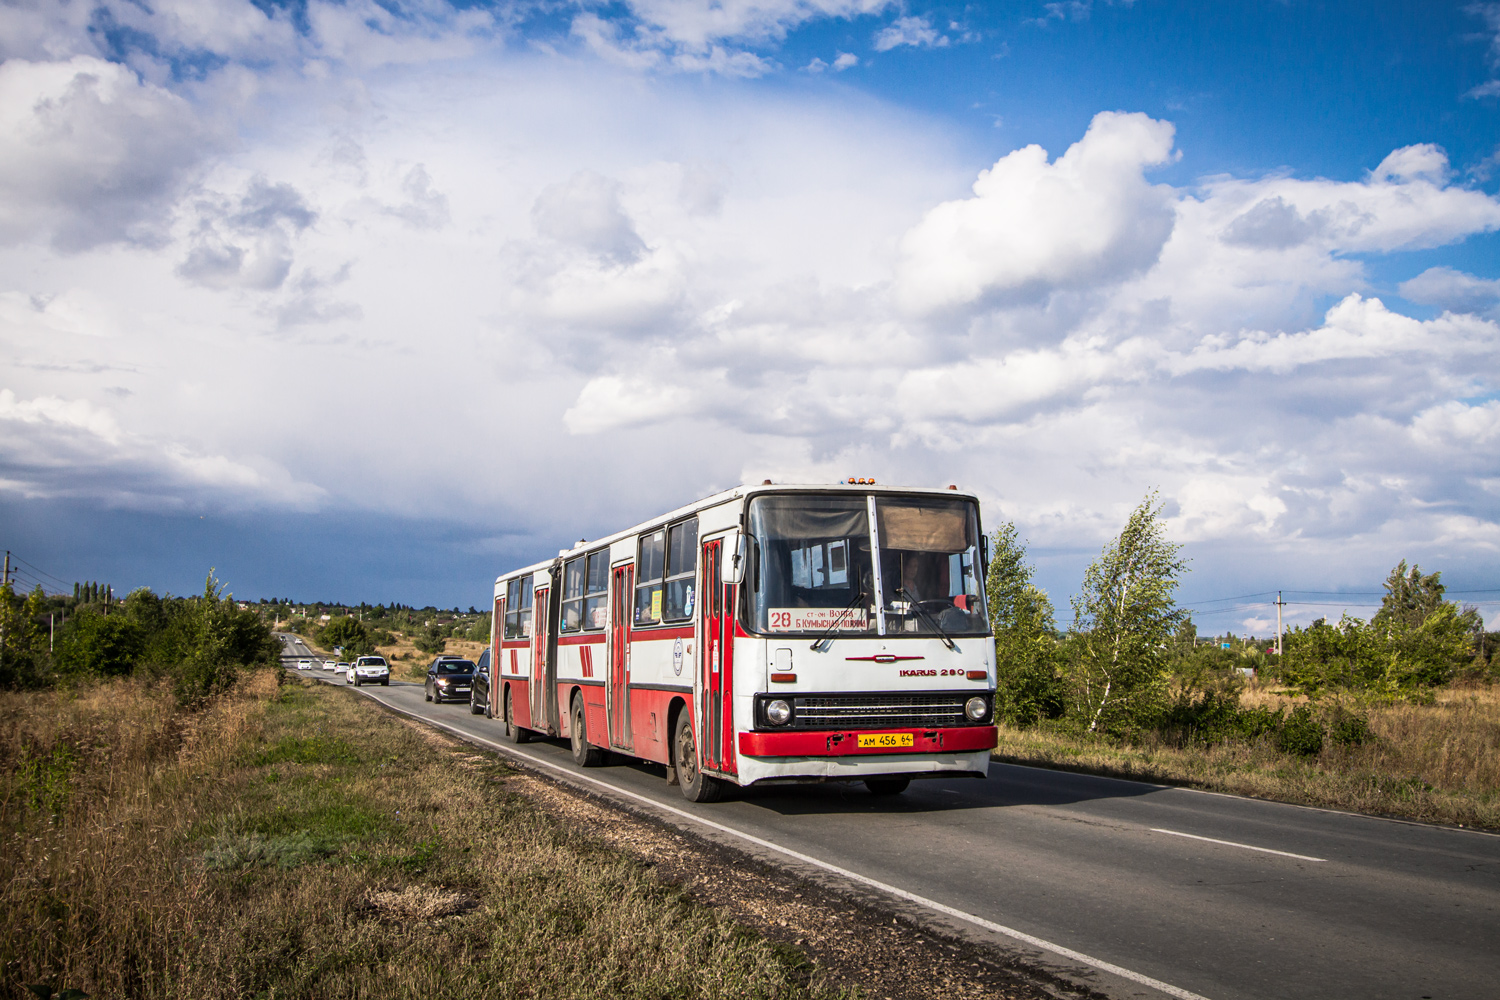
449 679
479 696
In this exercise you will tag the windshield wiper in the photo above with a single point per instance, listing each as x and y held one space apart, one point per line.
828 632
917 607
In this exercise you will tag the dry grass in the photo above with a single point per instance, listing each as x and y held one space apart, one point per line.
1438 762
294 842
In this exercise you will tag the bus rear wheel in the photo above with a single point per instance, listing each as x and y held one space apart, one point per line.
696 786
513 732
585 754
887 786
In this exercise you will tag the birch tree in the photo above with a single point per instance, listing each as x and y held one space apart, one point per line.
1021 615
1124 621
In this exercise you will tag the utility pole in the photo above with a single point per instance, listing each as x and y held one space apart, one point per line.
6 581
1279 603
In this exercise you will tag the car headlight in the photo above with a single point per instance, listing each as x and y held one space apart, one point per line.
975 708
778 712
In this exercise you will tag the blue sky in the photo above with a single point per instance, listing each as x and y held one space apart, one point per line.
373 301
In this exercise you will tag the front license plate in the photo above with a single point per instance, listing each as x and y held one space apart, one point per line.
885 740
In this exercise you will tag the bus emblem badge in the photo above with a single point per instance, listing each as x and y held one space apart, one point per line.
677 657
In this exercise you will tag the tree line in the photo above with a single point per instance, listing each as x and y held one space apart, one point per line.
198 644
357 637
1129 662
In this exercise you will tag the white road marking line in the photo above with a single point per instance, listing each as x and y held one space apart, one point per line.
1230 843
931 904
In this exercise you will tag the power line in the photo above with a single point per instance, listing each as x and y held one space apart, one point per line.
1242 597
38 569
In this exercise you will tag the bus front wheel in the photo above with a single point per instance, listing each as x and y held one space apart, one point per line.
696 786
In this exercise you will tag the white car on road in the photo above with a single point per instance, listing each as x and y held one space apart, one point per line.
370 670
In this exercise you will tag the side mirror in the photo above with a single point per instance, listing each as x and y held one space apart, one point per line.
984 558
735 558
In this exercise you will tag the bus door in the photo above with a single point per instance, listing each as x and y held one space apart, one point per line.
715 663
497 637
617 682
543 671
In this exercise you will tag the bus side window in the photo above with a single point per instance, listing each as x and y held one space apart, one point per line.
648 589
682 569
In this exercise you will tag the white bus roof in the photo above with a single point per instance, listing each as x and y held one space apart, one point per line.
724 497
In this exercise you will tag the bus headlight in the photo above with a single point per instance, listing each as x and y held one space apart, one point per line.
975 708
778 712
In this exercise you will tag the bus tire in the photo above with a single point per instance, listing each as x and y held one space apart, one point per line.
585 754
696 786
513 732
887 786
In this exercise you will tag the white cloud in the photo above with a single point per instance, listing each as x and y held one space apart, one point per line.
917 32
845 60
1090 218
53 447
696 24
89 154
1455 291
246 242
1354 329
706 36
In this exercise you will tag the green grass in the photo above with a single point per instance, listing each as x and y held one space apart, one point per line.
247 850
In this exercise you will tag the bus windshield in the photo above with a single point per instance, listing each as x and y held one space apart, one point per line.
814 573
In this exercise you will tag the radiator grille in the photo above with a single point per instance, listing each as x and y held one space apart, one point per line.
879 711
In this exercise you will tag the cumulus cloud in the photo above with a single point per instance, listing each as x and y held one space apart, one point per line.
246 242
697 24
1089 218
91 154
585 212
1454 290
916 32
709 36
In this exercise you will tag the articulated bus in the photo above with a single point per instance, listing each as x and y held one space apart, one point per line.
764 634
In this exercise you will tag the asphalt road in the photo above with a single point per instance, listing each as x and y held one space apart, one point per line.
1178 892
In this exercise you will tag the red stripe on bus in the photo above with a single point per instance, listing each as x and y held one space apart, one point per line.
580 640
648 634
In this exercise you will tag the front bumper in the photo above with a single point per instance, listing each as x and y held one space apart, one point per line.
965 739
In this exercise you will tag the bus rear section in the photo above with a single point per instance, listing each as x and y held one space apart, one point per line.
769 634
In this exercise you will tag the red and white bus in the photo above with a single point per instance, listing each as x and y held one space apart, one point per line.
764 634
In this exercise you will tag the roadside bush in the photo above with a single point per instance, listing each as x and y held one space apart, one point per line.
1301 733
431 640
1029 691
1347 728
346 633
199 644
100 645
